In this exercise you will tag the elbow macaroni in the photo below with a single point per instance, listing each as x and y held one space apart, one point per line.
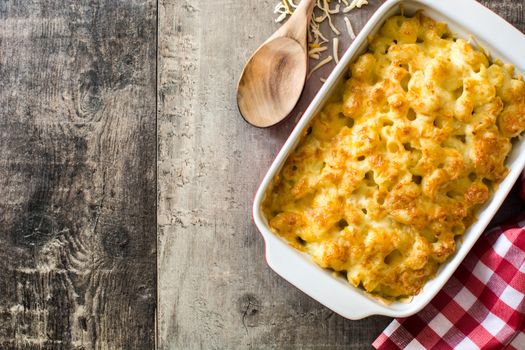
390 174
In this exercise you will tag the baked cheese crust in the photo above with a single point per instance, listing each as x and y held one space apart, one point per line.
391 172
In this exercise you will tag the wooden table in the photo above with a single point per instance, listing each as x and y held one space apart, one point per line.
77 173
124 162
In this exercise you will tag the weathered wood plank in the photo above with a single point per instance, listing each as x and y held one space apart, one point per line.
215 289
77 174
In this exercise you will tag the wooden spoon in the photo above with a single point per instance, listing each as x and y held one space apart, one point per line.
273 79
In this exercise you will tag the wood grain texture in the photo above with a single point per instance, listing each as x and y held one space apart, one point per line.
215 289
77 174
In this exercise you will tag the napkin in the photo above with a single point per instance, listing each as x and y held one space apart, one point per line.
481 307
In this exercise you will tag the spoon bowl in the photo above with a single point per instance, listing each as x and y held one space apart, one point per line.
272 82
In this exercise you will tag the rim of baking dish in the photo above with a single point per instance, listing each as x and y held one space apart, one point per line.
494 34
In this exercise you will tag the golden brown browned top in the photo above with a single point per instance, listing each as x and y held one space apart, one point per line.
389 175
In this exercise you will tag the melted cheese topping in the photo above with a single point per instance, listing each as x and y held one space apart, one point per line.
391 171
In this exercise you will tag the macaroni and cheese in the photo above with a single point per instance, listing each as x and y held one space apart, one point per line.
391 172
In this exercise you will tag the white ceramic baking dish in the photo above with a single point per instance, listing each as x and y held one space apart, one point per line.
465 18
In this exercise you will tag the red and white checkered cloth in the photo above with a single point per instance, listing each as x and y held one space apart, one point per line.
481 307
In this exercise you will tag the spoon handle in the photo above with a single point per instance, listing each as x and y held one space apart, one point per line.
297 25
308 5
